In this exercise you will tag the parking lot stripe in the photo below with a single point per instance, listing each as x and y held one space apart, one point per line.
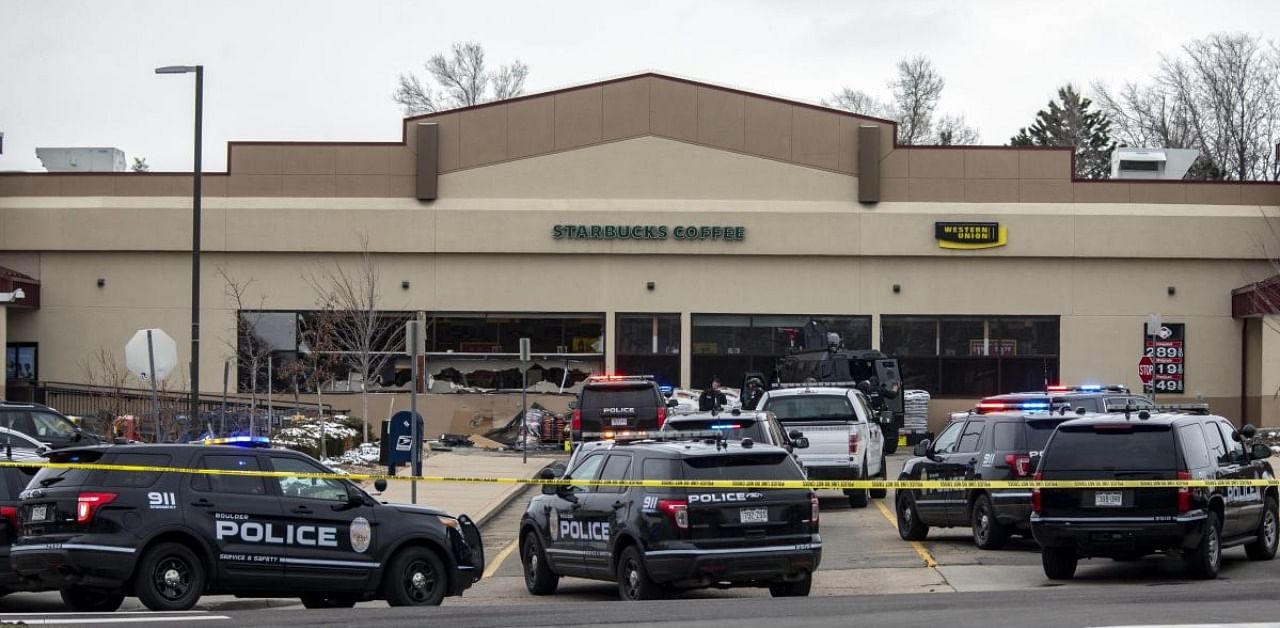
68 621
915 545
502 556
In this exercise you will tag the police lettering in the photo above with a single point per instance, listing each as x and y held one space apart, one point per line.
723 497
584 530
254 532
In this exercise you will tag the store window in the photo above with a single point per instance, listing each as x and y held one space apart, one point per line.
22 361
973 356
726 346
649 344
481 350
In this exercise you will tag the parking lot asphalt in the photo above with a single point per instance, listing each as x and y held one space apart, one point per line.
863 559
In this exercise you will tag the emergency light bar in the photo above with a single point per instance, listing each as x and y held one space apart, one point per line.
817 385
1089 388
623 436
620 378
238 441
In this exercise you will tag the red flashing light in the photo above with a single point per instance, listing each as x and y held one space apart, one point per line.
1058 388
992 405
1020 463
677 510
1184 493
87 505
1036 504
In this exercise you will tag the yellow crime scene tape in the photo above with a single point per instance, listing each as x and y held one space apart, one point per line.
756 484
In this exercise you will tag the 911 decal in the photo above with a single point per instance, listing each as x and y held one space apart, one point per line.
162 501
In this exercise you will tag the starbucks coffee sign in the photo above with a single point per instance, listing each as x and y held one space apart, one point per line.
712 233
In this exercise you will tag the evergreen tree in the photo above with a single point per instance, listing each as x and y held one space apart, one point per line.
1071 120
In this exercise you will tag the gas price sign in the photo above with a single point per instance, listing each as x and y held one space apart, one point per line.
1167 349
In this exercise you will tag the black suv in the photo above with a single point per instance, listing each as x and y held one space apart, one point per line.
612 404
977 447
168 538
44 424
1194 523
653 541
12 481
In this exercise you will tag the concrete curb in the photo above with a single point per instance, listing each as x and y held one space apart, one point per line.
483 519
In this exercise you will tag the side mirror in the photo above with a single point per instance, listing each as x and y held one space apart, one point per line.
380 485
79 435
922 448
355 498
1259 452
672 403
800 443
1248 431
795 434
548 474
42 450
573 405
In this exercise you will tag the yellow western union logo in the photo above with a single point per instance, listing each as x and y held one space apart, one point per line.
794 484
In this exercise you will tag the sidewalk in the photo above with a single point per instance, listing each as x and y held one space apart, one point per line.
479 501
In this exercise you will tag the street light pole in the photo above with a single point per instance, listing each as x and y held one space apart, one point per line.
195 229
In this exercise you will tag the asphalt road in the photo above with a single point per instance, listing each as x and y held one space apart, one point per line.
868 576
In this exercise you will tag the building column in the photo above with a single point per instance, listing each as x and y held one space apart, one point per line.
610 343
1268 379
686 349
875 332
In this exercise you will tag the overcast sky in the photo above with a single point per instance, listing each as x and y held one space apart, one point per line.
80 73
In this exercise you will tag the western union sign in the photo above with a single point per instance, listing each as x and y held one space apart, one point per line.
970 235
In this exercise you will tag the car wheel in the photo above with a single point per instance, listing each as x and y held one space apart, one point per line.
328 601
538 577
170 577
1264 548
1204 561
1059 562
799 588
416 578
91 600
633 579
988 532
910 527
881 493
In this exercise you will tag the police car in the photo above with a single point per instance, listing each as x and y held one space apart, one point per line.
169 538
1194 524
653 541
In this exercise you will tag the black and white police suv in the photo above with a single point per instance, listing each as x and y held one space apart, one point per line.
655 541
1192 523
169 538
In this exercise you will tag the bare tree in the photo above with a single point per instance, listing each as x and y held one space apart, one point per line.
460 80
352 327
915 94
1220 95
250 349
107 377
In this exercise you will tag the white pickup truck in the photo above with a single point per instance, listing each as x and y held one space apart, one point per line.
845 440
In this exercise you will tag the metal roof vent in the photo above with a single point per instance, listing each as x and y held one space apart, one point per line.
1152 163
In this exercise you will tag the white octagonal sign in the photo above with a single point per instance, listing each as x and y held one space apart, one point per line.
164 348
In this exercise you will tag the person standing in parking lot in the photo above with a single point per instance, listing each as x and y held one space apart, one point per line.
712 398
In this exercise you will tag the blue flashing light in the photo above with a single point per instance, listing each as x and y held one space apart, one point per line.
1091 387
725 426
666 390
239 441
1034 406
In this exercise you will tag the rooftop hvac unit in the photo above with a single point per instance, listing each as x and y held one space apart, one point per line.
1152 163
82 159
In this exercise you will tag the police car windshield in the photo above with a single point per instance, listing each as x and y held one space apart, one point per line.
733 428
66 477
812 408
764 466
1112 447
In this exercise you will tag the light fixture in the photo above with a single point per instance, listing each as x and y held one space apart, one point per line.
404 285
897 288
101 282
1173 290
650 286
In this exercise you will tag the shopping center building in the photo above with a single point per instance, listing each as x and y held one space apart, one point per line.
652 224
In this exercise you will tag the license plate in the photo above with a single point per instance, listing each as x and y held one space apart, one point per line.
619 421
38 512
753 515
1108 498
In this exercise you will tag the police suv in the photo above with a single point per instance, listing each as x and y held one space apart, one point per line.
1194 524
653 541
169 538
